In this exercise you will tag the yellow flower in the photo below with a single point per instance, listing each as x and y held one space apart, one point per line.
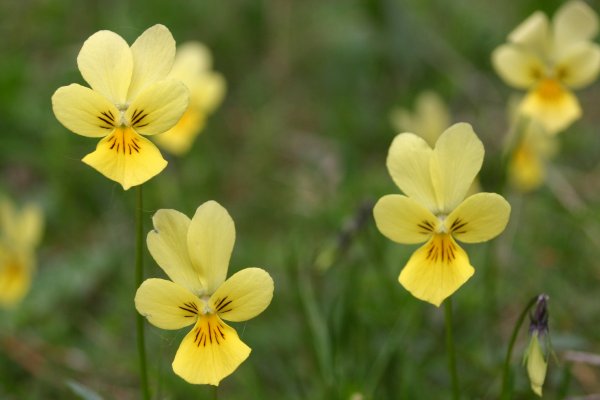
435 211
19 235
129 97
550 59
192 67
536 364
195 255
429 119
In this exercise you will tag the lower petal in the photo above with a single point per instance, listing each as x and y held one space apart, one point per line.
179 138
210 352
436 270
127 158
553 106
15 278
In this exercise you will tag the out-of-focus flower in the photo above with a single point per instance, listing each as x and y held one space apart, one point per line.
548 59
20 233
429 120
192 66
535 359
195 255
130 96
435 211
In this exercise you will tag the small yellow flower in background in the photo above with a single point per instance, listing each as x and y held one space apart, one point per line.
548 59
130 96
534 359
195 255
434 209
192 67
430 118
20 233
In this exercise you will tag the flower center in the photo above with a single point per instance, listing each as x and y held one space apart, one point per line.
124 139
549 89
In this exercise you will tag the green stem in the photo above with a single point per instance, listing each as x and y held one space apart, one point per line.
139 277
506 370
450 349
215 393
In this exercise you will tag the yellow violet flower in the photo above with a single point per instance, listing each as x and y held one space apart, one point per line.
195 255
536 364
548 59
429 120
192 67
20 233
434 209
130 96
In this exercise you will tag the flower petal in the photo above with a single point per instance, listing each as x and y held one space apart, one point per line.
126 157
158 107
244 295
516 66
436 270
166 304
532 33
167 244
575 21
403 220
153 54
479 218
210 352
455 162
210 241
580 65
84 111
106 64
191 60
16 270
179 139
22 228
536 365
408 164
553 106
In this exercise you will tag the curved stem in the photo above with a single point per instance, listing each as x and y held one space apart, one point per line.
506 370
450 349
139 276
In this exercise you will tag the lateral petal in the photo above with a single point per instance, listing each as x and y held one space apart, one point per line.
517 66
168 246
580 65
403 220
455 162
244 295
479 218
210 242
408 164
153 54
436 270
158 107
106 64
126 157
166 304
84 111
210 352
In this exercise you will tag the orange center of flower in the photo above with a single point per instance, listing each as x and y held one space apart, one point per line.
550 89
441 248
124 140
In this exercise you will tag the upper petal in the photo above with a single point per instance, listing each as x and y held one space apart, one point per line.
126 157
436 270
167 305
579 66
106 63
479 218
210 241
575 21
84 111
168 246
158 107
408 164
153 54
403 220
455 162
210 352
517 66
21 228
244 295
191 60
532 33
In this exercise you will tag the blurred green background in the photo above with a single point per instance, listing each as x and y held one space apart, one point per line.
296 153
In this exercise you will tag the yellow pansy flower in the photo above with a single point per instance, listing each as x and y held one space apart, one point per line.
549 59
20 233
130 96
192 67
434 209
429 119
195 255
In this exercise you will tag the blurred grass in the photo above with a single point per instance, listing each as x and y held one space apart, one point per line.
297 147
